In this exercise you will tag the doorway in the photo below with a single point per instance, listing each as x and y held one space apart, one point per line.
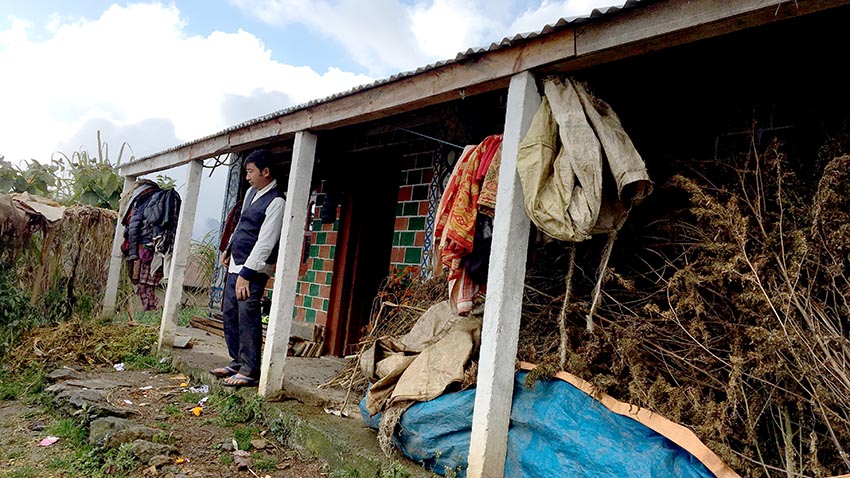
362 260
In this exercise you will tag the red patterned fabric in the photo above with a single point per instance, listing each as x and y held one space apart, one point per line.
459 205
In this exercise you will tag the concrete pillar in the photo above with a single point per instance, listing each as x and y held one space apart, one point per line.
116 259
180 256
288 260
500 333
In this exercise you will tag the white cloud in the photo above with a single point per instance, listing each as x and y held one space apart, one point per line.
136 63
548 12
376 33
387 36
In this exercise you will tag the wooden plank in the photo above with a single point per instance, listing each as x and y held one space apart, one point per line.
505 281
210 329
661 25
675 22
286 275
116 258
180 256
476 75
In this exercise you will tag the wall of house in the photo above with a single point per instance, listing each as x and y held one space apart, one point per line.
414 214
316 269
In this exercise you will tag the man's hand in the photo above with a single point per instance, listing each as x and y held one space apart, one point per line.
225 259
242 291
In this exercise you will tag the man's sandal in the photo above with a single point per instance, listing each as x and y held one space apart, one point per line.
223 372
239 380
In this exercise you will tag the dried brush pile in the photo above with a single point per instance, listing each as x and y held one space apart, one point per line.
80 342
401 300
725 309
71 257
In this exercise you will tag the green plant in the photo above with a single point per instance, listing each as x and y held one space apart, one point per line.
23 472
35 178
395 470
172 410
98 462
86 179
265 463
164 438
282 428
233 409
191 397
348 471
148 361
68 429
15 310
226 459
28 382
165 182
243 437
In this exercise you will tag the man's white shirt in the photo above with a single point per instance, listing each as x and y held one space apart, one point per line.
268 237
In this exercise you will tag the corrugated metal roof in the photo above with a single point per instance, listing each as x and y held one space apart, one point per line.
506 42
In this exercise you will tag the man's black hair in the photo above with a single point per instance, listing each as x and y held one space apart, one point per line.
261 160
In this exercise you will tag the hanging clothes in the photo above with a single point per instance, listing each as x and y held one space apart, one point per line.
150 221
573 139
456 219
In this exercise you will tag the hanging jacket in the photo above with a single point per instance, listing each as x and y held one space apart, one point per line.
160 220
135 224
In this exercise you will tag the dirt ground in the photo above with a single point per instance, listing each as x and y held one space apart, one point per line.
158 400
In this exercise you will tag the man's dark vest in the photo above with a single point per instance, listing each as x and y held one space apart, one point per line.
248 230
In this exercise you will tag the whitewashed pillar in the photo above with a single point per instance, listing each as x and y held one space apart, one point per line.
116 259
180 256
288 260
505 282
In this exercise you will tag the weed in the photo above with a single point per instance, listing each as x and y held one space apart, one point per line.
23 472
395 470
235 408
164 438
348 471
28 382
282 428
97 462
172 410
243 437
69 430
265 463
148 361
191 397
225 459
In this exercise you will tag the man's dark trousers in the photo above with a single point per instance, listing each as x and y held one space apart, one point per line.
243 327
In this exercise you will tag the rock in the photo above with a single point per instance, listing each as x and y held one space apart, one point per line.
146 451
227 445
36 426
259 443
159 461
63 374
170 469
71 396
113 431
98 384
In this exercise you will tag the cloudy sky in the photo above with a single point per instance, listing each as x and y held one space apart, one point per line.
155 75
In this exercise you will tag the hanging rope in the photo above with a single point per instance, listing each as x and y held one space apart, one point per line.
562 317
603 266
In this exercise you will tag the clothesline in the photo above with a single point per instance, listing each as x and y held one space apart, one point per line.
430 137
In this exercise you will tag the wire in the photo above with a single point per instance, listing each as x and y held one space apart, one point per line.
430 137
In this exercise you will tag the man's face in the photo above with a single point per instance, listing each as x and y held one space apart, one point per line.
256 178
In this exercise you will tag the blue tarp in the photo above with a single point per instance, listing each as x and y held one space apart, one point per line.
556 430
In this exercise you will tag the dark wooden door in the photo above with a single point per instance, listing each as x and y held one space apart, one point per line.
364 247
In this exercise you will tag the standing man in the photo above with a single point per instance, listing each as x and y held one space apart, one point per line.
250 258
